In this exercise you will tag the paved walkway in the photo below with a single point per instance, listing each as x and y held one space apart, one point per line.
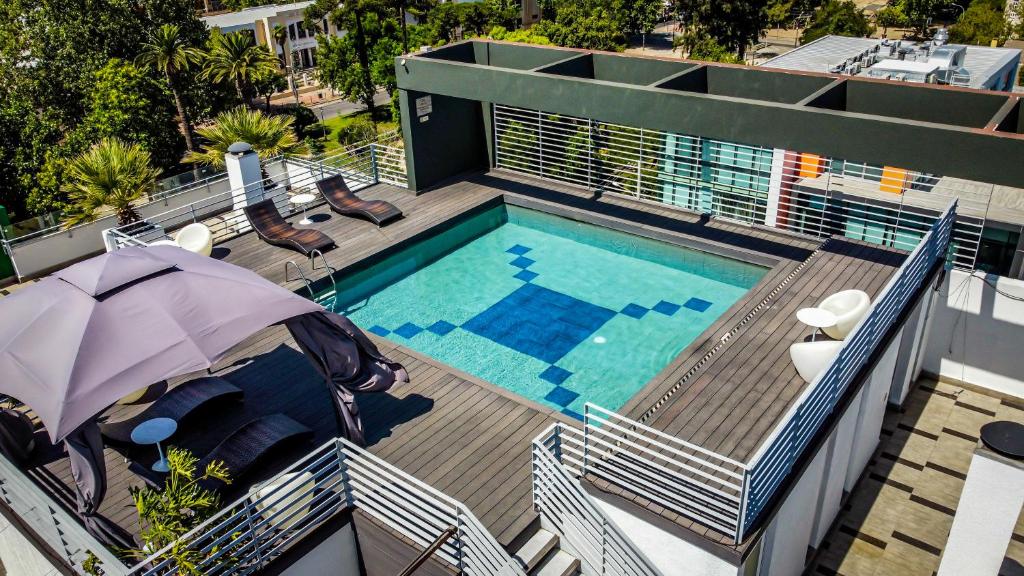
897 521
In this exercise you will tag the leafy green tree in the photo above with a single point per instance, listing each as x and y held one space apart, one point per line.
980 25
267 84
50 53
779 13
112 175
700 46
474 17
920 12
526 35
732 23
504 13
125 103
841 18
638 16
268 135
168 51
354 47
890 17
236 58
576 27
444 20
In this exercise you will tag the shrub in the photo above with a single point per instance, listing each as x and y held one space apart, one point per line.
359 130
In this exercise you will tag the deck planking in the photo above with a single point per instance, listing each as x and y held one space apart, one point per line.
481 456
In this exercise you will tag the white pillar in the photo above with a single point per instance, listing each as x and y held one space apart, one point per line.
775 187
988 510
245 176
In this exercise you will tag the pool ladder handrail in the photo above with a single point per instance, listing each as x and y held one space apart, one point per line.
302 277
330 272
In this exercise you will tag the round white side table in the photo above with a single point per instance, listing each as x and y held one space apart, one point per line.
155 431
303 199
816 318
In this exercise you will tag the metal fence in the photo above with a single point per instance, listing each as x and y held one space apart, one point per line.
64 534
251 532
799 192
712 489
777 455
584 530
361 167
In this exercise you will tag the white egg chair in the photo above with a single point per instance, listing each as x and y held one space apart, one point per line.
849 306
196 238
810 358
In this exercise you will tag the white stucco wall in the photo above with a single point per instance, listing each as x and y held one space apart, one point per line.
788 536
673 556
19 556
872 411
840 446
976 333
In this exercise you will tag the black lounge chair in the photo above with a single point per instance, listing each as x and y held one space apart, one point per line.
251 442
274 229
177 404
343 201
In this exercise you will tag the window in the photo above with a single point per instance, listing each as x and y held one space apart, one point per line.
996 250
291 31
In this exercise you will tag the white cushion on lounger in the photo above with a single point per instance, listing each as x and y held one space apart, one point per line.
196 238
810 358
294 498
849 306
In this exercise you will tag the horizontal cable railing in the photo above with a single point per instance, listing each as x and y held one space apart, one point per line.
285 176
714 490
248 534
584 530
798 192
777 456
64 534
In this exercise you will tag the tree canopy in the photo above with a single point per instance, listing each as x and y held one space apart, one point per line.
980 25
841 18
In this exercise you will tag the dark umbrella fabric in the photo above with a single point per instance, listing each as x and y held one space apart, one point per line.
349 362
76 342
85 451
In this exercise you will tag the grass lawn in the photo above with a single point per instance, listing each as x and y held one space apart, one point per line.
332 125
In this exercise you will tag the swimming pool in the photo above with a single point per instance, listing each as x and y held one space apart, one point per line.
556 310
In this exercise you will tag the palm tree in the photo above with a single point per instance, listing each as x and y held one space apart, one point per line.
268 135
109 176
281 38
236 58
168 52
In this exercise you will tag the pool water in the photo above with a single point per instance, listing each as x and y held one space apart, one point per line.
555 310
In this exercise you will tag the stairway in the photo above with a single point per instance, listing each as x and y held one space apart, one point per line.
540 555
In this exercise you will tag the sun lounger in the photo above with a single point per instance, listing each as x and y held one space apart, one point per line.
345 202
177 404
252 441
274 229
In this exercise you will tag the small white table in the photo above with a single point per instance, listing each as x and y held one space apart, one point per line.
816 318
155 431
303 199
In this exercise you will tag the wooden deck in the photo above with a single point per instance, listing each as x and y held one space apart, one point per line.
471 439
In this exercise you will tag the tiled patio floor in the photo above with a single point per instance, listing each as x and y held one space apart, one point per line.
898 518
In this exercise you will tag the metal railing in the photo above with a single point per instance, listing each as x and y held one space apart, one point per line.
361 166
584 530
64 534
251 532
776 457
799 192
714 490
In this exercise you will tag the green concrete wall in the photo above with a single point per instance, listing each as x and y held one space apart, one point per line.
450 140
939 149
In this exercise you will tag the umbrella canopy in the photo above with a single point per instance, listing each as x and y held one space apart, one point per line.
77 341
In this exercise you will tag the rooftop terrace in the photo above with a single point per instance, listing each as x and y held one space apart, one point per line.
725 395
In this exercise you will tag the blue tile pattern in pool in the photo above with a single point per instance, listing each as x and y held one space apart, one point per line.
590 314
